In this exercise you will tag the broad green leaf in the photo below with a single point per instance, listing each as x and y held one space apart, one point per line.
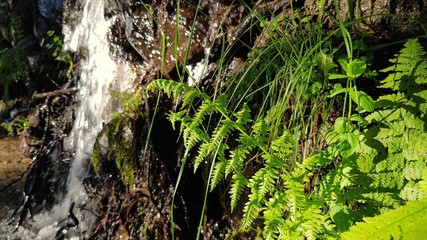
341 215
344 64
406 222
348 144
341 125
331 137
363 100
355 68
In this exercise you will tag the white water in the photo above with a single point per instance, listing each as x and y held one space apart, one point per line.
97 73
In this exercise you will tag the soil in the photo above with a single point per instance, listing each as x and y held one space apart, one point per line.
12 165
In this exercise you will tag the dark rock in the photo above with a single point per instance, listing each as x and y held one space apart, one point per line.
154 34
51 9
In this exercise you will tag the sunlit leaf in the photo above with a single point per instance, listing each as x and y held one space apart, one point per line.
355 68
341 125
363 100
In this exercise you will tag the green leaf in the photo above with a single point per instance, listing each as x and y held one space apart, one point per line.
341 125
348 144
337 90
358 118
355 68
337 76
325 61
344 64
341 215
406 222
363 100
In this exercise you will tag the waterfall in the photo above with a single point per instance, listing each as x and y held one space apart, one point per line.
97 72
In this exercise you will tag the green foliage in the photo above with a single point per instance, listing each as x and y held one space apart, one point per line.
374 155
58 52
130 103
13 63
407 222
116 141
18 125
385 167
12 68
273 188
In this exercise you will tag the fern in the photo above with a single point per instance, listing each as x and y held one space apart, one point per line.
323 194
386 170
404 222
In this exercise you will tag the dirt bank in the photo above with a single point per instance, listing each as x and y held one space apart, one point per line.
12 165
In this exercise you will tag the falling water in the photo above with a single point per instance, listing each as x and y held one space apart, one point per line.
97 72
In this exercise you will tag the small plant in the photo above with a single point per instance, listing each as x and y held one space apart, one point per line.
12 69
58 52
116 142
17 126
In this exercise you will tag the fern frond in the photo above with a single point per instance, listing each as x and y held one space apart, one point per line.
414 170
251 212
217 173
411 192
193 138
283 147
202 153
237 157
243 116
273 217
180 116
409 64
221 132
175 89
406 222
238 184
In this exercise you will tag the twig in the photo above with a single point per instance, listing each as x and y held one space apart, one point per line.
54 93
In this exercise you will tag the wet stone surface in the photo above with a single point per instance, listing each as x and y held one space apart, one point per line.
152 32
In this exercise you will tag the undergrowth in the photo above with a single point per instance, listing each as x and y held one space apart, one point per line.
268 132
373 157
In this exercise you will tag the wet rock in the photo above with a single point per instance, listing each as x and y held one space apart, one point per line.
412 15
162 35
51 9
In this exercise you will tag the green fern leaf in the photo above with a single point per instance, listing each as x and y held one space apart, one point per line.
251 212
243 116
406 222
411 192
237 157
217 173
238 184
414 170
409 64
202 153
